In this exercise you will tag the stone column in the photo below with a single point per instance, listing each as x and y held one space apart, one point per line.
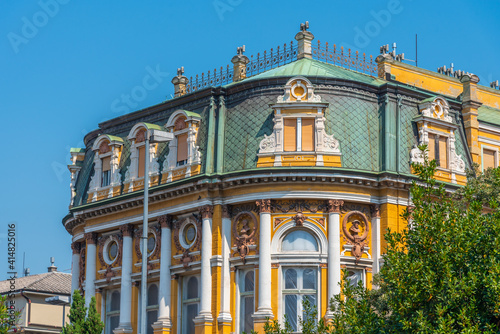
204 320
334 272
90 267
75 266
224 317
264 309
376 238
125 325
164 324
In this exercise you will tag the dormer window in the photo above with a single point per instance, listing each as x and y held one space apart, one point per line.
437 130
106 181
134 177
299 137
184 157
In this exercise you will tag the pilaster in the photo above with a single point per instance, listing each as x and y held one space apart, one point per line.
470 105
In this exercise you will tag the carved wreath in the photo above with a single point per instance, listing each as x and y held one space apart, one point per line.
244 236
186 257
352 234
137 244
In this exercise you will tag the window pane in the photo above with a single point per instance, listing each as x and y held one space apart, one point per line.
153 295
151 243
432 146
249 284
354 277
141 162
443 152
105 178
192 288
115 301
312 303
309 279
290 134
113 322
152 317
291 310
113 251
248 308
191 313
290 279
182 147
299 240
307 134
488 159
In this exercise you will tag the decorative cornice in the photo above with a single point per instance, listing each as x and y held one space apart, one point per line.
375 209
165 221
227 211
264 205
206 211
127 230
91 238
76 246
334 205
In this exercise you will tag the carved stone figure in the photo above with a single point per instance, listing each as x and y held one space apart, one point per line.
354 234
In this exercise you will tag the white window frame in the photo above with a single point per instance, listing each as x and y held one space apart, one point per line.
109 314
489 148
300 292
184 302
241 274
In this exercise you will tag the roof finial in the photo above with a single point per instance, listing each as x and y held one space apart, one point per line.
304 26
180 71
240 50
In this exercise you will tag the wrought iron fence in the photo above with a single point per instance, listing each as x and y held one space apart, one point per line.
347 60
281 56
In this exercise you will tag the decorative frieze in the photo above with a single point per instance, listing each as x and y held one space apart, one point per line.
264 205
334 205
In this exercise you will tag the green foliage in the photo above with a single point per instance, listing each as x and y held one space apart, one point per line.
80 322
440 275
8 320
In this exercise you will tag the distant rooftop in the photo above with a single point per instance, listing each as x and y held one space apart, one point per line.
52 282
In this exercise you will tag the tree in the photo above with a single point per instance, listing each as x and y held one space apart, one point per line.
8 317
442 274
80 322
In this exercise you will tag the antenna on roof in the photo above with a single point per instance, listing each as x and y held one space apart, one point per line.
304 26
180 71
240 50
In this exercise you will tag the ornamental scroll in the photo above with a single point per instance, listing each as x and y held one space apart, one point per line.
356 228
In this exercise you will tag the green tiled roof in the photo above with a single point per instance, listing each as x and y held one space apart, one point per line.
489 115
115 138
76 150
314 68
150 126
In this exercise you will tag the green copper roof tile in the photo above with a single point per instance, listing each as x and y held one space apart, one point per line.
150 126
489 115
76 150
115 138
314 68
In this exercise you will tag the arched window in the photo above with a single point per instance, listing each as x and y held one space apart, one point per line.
141 152
112 311
152 307
247 306
181 136
299 240
190 303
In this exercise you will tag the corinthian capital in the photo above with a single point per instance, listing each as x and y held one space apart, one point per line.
334 205
264 205
206 211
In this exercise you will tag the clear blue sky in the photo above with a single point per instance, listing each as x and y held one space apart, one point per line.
64 69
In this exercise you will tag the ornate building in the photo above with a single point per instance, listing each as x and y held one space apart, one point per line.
283 169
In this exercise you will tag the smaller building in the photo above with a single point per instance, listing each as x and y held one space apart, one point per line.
42 299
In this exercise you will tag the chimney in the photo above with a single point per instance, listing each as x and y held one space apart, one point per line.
52 268
180 82
304 39
470 105
27 272
240 62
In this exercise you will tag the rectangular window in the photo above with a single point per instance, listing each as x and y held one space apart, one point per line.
152 307
443 152
488 159
112 311
290 135
190 303
431 147
308 134
106 171
142 161
182 149
300 284
247 306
